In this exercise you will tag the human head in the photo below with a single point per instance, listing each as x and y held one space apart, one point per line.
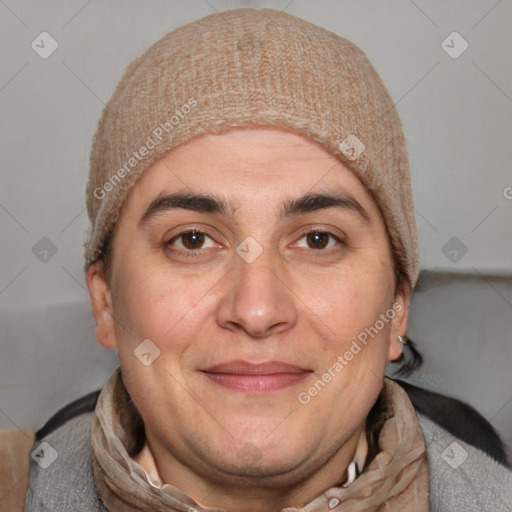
256 150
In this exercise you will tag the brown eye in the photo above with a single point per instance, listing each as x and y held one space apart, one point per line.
192 240
191 243
317 240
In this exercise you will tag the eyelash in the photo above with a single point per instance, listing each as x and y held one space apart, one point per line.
324 232
191 253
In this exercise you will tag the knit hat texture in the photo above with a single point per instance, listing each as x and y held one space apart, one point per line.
249 68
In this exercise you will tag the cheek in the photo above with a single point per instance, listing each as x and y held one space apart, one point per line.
350 300
155 303
138 303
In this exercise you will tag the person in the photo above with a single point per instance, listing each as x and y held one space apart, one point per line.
252 256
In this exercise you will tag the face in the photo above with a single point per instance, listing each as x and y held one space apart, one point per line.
261 270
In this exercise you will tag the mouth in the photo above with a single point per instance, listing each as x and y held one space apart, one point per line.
256 378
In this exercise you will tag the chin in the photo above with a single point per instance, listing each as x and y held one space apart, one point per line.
253 468
265 459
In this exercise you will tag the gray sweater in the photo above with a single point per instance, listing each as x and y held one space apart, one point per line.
462 478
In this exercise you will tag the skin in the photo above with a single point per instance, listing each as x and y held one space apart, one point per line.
298 302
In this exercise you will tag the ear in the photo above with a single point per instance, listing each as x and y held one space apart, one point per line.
399 321
101 304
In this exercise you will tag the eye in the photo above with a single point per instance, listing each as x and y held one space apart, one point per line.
191 240
318 240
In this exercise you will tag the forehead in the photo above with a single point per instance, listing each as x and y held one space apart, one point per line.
250 166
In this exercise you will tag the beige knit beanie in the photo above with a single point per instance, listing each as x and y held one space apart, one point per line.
249 67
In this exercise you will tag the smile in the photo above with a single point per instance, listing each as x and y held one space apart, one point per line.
256 378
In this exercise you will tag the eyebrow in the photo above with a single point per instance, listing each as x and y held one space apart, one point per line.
212 204
319 201
187 201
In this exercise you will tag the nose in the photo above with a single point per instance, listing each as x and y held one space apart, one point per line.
257 300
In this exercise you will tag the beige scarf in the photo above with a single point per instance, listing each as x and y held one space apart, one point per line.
395 477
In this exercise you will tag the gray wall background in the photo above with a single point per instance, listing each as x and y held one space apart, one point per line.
456 110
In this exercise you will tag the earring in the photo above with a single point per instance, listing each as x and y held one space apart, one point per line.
402 340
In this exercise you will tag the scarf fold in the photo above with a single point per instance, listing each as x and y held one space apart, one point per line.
395 477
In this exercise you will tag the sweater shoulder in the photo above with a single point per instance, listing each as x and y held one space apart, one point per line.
61 476
463 477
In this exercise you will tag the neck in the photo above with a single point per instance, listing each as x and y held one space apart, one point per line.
210 487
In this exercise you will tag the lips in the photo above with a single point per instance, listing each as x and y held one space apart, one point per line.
244 367
256 377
